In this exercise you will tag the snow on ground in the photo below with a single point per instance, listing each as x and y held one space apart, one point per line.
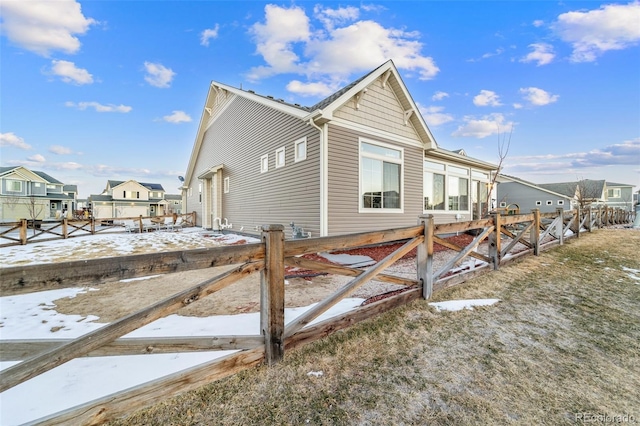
114 244
33 316
458 305
634 274
353 261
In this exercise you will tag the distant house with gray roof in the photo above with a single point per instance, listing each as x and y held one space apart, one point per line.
131 199
33 194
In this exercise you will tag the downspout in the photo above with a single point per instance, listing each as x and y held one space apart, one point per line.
324 190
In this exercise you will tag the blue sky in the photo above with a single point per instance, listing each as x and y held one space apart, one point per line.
98 90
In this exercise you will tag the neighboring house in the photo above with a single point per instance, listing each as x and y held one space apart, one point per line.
32 194
174 203
362 159
619 195
548 196
519 195
130 199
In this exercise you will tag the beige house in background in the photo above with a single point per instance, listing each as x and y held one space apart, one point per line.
130 199
362 159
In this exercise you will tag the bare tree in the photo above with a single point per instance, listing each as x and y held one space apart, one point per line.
34 209
587 192
504 143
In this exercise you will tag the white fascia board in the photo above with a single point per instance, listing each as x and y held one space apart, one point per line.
264 100
376 132
451 156
532 185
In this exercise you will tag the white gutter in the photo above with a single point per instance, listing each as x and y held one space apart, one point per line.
324 176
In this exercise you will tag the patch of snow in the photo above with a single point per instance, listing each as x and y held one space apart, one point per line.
458 305
33 316
349 259
128 280
315 373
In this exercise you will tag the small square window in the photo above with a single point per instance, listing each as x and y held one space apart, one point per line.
561 202
264 163
301 150
280 158
549 202
226 185
538 203
503 204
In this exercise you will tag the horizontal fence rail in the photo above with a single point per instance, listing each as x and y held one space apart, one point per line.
496 240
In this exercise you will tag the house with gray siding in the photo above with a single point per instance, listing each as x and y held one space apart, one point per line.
515 194
362 159
33 194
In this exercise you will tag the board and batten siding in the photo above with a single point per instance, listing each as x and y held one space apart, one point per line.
378 108
344 181
237 139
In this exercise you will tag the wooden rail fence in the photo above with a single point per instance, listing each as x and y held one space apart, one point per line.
507 238
17 233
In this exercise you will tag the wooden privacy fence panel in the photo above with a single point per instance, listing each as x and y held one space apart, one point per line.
269 257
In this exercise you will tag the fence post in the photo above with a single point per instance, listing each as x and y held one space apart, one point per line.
534 235
424 257
599 217
575 222
93 225
23 231
140 224
272 293
65 233
560 225
494 241
588 216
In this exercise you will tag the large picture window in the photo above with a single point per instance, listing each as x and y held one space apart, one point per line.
446 188
14 185
380 177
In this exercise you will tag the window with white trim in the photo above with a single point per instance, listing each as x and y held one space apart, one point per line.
549 202
300 149
14 185
503 204
280 158
613 193
561 202
225 185
200 192
446 187
264 163
380 176
538 203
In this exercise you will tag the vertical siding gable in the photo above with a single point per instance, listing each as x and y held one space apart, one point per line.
380 109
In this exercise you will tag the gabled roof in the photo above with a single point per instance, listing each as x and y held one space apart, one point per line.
70 188
619 184
47 177
502 178
27 174
150 186
569 188
322 111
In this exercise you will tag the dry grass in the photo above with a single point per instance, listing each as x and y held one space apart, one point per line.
565 339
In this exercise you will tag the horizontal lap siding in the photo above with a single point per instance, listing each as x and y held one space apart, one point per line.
242 134
343 181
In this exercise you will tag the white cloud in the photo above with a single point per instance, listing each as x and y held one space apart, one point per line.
208 34
542 54
591 33
538 97
10 139
158 75
45 26
332 17
493 124
37 158
486 98
517 106
434 116
70 73
288 44
177 117
274 39
438 96
59 150
498 51
538 23
99 107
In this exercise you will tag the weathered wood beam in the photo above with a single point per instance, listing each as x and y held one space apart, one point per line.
350 287
45 361
19 349
457 248
464 253
450 228
315 265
